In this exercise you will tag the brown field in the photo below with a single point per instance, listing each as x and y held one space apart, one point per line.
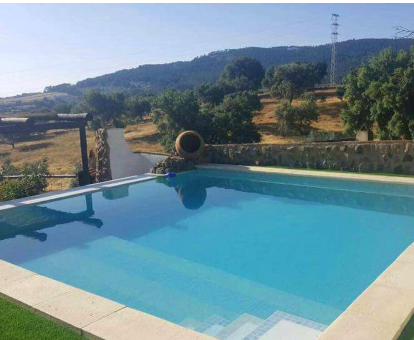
63 152
60 147
30 98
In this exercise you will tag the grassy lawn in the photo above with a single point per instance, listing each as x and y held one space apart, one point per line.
408 332
17 323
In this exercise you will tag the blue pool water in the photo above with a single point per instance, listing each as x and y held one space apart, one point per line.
210 243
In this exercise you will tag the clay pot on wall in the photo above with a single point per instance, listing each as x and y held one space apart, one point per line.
189 144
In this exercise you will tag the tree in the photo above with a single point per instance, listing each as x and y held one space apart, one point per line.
106 108
243 74
296 120
340 92
138 107
13 139
175 112
382 93
231 121
292 80
212 93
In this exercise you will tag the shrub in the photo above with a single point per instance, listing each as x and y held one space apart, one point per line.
296 120
32 183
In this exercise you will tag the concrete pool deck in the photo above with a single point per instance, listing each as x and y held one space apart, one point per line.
380 312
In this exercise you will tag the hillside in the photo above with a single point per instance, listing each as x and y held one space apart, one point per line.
144 136
187 74
33 102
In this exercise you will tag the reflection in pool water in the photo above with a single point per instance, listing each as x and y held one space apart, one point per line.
192 194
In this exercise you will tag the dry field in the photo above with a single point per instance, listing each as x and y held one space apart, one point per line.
63 151
61 147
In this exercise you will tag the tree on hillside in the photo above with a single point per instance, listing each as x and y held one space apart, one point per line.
138 107
174 112
106 108
296 120
292 80
243 74
382 93
231 121
212 93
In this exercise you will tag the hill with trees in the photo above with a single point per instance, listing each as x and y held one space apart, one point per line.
184 75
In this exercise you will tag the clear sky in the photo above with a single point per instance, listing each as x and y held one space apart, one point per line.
49 44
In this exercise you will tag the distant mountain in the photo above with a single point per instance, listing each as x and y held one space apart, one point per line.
187 74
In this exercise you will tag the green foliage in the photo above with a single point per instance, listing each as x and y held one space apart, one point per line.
228 122
291 80
174 112
32 182
340 92
243 74
106 108
296 120
324 136
138 107
64 107
232 120
13 139
382 93
212 93
63 88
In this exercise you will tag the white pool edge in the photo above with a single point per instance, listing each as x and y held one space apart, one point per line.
91 188
380 312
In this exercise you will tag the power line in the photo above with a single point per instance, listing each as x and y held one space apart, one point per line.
334 39
402 32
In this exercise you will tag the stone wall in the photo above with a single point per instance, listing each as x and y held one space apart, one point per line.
103 164
385 157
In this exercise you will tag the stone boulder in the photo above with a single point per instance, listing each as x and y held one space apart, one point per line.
173 164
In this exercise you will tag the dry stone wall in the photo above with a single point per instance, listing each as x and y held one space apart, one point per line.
103 165
383 157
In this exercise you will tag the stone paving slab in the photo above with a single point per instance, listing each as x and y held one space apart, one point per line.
34 289
11 273
129 323
78 308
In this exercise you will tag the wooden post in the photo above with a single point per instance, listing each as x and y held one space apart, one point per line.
84 152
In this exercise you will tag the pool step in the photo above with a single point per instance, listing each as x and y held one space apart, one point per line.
240 328
284 326
213 286
213 325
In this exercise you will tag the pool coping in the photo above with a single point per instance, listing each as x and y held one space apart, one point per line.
380 312
91 188
384 308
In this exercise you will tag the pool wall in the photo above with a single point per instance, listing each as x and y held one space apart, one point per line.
380 312
383 157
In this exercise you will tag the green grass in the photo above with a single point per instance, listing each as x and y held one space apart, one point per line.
18 323
339 171
408 332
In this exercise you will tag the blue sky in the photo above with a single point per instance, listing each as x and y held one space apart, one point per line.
49 44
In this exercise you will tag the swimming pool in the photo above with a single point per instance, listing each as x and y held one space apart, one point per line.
228 254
